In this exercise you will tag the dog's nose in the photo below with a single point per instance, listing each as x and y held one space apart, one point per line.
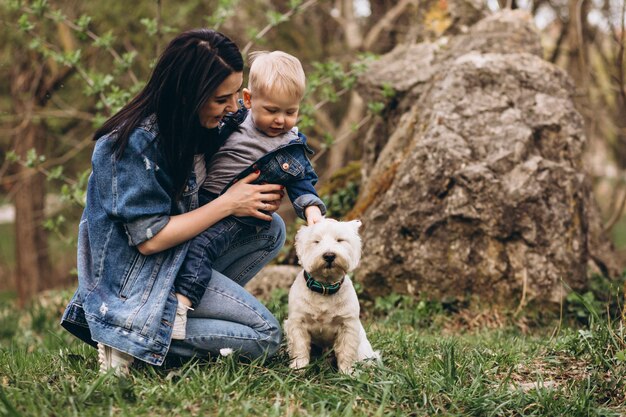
329 257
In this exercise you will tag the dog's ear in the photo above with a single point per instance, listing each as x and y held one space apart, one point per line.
300 237
355 224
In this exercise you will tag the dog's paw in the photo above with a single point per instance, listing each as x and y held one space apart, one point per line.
299 363
346 370
371 358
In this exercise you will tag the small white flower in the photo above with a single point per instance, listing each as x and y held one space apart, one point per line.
226 352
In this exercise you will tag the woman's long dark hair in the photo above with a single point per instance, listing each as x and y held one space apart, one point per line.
187 74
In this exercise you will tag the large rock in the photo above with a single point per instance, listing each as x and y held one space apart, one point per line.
475 182
271 278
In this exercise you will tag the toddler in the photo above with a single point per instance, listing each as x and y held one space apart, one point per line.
261 136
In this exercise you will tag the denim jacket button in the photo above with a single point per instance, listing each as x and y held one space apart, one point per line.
285 166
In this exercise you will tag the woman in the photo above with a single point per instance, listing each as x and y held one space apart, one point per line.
142 210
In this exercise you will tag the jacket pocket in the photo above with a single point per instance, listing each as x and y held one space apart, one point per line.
133 272
287 164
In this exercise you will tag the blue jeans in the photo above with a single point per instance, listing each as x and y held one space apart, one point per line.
228 316
204 250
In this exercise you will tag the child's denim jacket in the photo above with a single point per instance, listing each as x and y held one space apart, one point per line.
287 165
125 299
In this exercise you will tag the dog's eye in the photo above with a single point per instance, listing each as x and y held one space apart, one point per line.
316 241
340 240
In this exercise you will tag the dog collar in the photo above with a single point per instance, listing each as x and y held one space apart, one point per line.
324 289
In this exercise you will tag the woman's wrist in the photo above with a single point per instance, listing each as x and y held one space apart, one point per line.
226 204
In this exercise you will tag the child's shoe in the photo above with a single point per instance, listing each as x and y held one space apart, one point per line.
179 329
111 358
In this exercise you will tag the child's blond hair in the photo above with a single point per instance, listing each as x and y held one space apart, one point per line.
276 72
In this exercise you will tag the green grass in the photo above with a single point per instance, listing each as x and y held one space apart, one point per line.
432 365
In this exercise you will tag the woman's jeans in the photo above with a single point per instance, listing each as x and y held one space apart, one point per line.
227 315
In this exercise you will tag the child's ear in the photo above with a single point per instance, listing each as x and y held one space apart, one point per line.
247 98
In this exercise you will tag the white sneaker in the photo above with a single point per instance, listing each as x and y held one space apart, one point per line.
179 329
111 358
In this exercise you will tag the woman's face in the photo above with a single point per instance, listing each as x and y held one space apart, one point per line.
223 100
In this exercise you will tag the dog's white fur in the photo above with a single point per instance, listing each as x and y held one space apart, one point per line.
327 320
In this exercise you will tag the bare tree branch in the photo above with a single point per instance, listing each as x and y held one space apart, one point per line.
351 28
336 16
344 136
91 35
617 214
43 167
581 42
158 29
559 42
68 113
324 121
269 27
386 22
620 55
45 89
600 50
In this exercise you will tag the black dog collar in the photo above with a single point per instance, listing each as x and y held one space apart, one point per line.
324 289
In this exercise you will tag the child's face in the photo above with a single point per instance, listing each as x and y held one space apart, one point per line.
272 115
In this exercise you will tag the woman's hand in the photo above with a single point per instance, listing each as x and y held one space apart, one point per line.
246 199
242 199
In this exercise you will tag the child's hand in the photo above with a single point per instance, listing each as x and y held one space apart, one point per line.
313 215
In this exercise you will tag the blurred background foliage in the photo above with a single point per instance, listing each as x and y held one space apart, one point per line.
67 65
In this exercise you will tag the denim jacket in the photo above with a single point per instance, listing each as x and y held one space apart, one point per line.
125 299
287 165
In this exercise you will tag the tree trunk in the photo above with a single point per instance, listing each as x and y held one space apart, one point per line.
31 243
346 134
31 246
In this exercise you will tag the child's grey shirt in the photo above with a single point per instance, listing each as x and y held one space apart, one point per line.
239 151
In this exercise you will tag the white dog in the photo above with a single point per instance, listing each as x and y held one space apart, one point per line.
323 306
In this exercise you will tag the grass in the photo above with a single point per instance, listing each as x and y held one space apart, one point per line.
434 364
